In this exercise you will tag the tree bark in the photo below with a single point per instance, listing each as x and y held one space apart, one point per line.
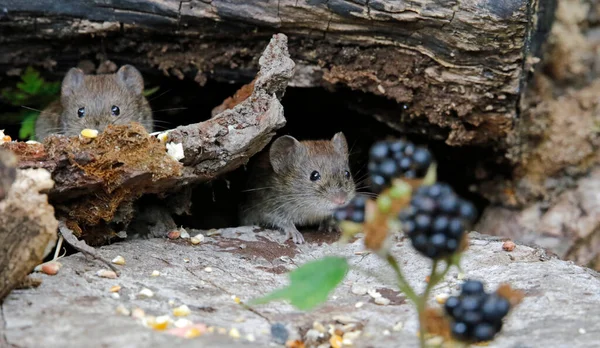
455 68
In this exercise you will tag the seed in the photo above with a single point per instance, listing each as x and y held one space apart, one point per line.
181 311
208 269
382 301
508 246
122 310
138 313
51 268
161 323
115 295
104 273
373 293
398 326
119 260
146 293
183 233
234 333
89 133
155 273
358 289
175 151
358 304
250 337
115 288
192 333
197 239
173 234
335 341
182 322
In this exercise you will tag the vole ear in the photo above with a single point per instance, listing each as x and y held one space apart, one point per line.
131 79
339 143
282 152
72 82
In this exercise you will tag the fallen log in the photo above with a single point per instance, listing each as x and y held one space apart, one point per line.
98 180
27 226
452 68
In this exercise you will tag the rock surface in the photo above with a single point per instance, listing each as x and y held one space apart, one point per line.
76 309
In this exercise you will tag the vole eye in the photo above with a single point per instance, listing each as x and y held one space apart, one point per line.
347 174
115 110
81 112
314 176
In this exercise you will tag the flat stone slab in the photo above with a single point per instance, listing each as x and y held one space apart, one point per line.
75 308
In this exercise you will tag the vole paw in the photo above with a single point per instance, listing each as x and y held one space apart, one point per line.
329 226
295 235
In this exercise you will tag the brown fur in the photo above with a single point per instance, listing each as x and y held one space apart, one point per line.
97 94
280 193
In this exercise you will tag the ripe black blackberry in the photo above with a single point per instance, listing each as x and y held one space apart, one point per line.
476 315
354 211
389 159
436 219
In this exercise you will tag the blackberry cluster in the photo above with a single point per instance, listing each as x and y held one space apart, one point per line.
389 159
436 219
354 211
477 316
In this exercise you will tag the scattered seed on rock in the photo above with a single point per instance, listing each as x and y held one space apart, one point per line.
192 333
138 313
173 234
335 341
398 327
104 273
382 301
122 310
359 304
344 319
312 336
373 293
358 289
441 298
386 332
115 288
115 295
279 333
182 322
155 273
319 327
119 260
51 268
197 239
160 323
183 233
145 292
234 333
582 331
509 245
208 269
186 260
181 311
250 337
352 335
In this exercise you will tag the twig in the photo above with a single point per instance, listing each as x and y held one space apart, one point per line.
58 246
80 246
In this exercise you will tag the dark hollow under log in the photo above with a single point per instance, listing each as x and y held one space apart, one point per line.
455 69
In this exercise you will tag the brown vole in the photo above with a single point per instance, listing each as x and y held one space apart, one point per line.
298 183
96 101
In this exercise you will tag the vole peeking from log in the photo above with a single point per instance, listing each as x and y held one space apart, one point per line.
94 102
298 183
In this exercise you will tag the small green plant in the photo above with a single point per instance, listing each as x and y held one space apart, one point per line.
435 220
33 92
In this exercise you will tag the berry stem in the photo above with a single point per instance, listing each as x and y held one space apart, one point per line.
402 283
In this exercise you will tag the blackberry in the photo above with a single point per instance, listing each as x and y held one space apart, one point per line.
436 219
476 315
354 211
396 158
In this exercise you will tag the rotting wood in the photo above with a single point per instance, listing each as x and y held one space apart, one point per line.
97 185
458 66
27 227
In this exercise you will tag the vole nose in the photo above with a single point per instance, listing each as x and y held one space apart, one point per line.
339 198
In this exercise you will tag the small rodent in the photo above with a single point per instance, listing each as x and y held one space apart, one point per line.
94 102
298 183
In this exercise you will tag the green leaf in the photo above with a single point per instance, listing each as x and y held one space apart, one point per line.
151 91
28 126
310 284
32 82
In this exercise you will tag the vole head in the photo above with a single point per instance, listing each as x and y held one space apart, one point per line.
96 101
316 173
